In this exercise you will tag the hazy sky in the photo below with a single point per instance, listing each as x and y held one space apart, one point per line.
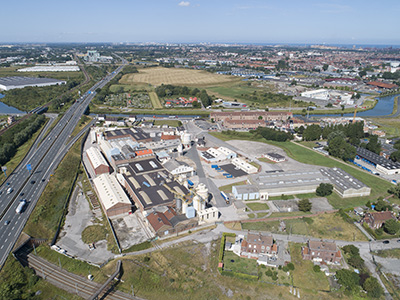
252 21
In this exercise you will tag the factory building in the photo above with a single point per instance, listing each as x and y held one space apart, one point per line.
245 192
208 215
55 68
164 220
16 82
344 184
244 166
111 195
97 161
149 185
288 183
275 157
382 164
178 168
250 115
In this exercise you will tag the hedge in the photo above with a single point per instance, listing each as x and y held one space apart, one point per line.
222 246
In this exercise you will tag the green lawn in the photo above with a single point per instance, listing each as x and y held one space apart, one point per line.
171 123
283 278
266 160
235 263
257 206
378 186
228 188
303 275
154 100
389 253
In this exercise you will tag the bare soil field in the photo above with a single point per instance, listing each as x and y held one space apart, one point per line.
158 76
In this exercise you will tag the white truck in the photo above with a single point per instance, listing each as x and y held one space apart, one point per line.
20 206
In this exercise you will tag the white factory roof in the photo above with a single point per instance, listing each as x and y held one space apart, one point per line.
226 151
110 191
95 157
50 69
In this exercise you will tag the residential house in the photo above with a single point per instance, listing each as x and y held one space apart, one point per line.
321 251
377 219
257 244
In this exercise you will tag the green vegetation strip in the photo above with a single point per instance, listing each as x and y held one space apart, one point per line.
44 220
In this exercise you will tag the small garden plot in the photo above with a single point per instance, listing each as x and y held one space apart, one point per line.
138 100
238 264
257 206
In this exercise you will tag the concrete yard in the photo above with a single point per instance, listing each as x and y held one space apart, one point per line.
130 230
78 218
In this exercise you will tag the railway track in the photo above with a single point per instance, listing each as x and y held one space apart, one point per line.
68 281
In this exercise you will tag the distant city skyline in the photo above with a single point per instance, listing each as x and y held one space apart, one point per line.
356 22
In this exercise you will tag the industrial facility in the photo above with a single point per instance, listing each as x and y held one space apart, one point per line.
16 82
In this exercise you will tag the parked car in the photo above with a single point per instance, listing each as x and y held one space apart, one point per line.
386 242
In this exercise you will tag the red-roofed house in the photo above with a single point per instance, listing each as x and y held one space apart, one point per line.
321 251
383 85
257 244
377 219
144 153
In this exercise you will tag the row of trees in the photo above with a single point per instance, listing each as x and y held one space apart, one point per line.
168 90
272 134
18 135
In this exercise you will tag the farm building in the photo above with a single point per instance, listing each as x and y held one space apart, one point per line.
15 82
344 184
244 166
245 192
111 195
97 161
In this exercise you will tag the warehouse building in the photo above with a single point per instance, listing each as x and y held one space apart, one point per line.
250 115
16 82
245 192
97 161
56 68
288 183
111 195
274 157
382 164
344 184
244 166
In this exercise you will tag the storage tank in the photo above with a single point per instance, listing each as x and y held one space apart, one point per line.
184 207
179 204
190 212
202 191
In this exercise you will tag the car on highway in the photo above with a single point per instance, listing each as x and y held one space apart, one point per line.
33 181
386 242
21 194
6 222
43 180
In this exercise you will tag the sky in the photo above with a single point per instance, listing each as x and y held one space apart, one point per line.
357 22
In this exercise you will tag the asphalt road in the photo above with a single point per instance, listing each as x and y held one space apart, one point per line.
43 159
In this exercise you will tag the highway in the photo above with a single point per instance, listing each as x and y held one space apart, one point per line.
43 159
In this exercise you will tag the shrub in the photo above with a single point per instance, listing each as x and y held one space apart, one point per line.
317 269
268 273
290 266
285 268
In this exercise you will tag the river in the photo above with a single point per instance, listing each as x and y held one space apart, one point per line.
5 109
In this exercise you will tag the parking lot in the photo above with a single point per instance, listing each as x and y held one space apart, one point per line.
233 170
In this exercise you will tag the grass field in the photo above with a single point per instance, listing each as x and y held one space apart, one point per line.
325 226
172 123
157 76
378 186
389 253
303 274
390 125
266 160
257 206
154 100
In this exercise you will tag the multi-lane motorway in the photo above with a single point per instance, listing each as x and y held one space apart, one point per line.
43 160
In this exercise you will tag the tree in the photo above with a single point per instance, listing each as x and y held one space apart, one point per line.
352 250
391 226
349 279
395 190
304 205
372 287
395 156
356 262
312 133
324 189
381 205
317 268
373 144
